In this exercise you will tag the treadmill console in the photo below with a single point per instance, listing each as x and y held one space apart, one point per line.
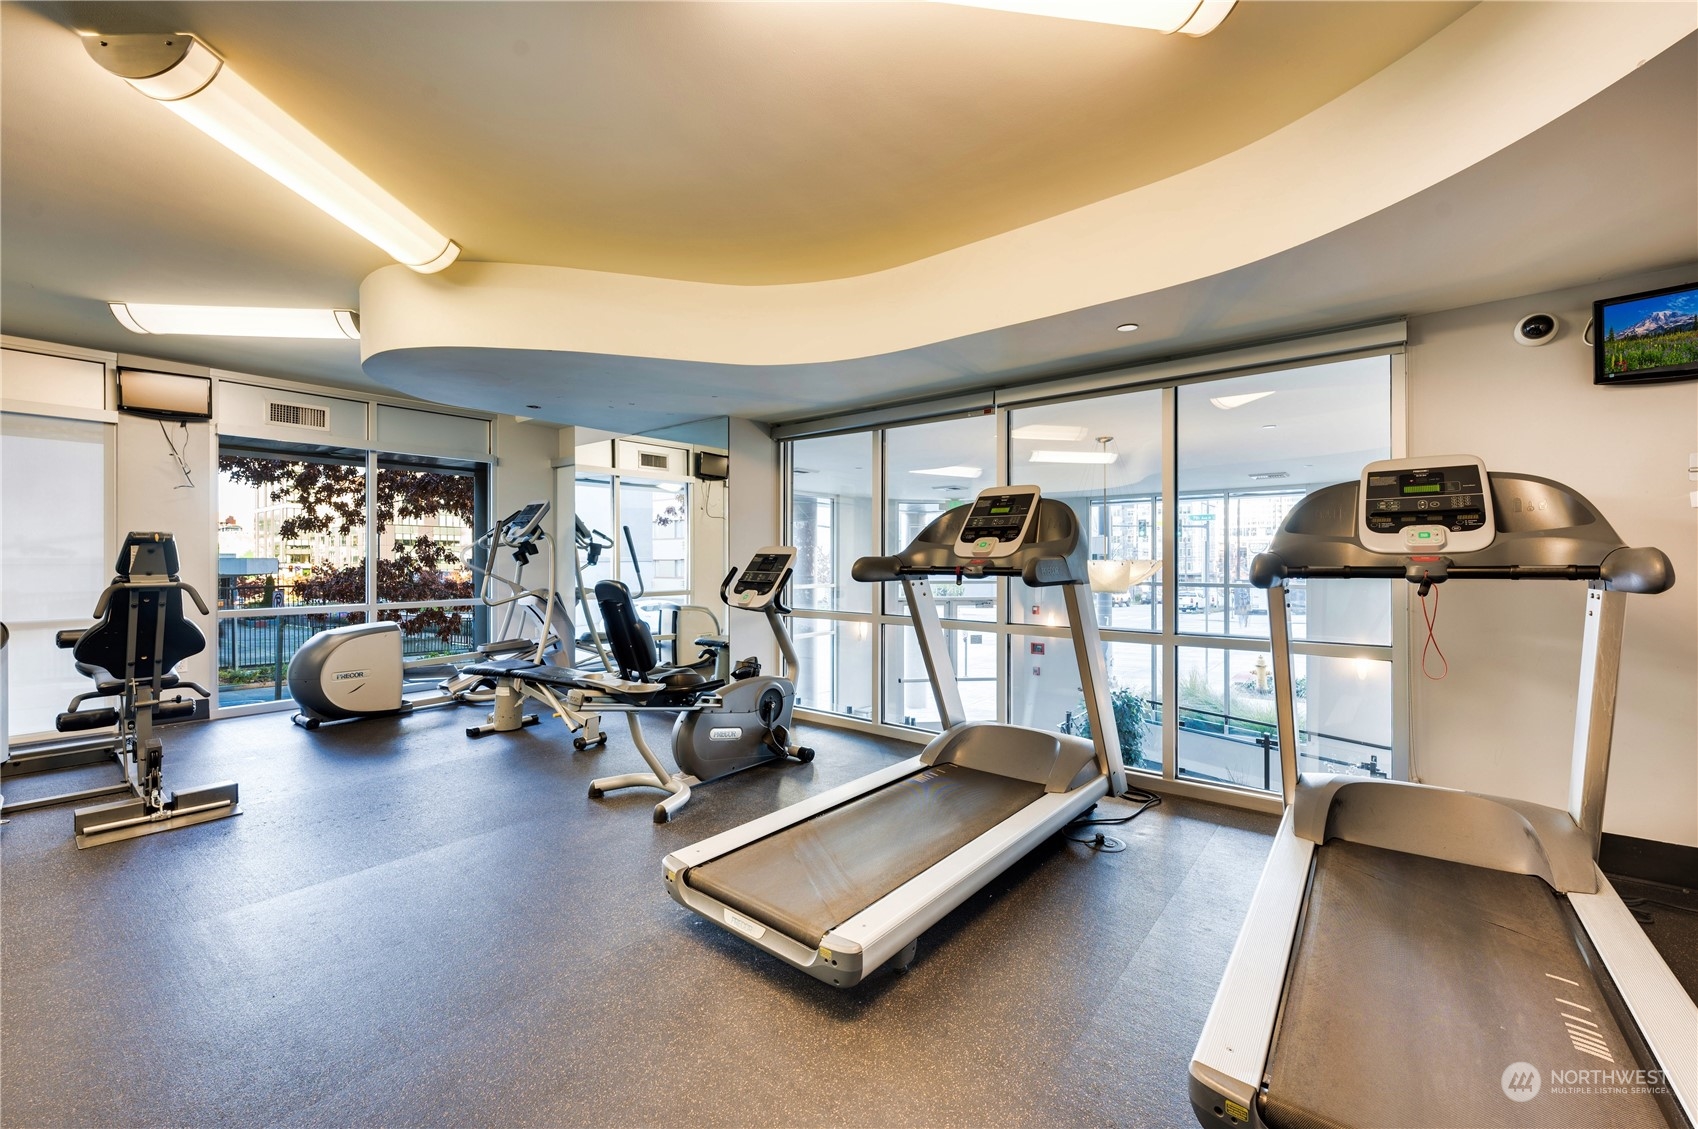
999 522
1428 505
762 578
522 525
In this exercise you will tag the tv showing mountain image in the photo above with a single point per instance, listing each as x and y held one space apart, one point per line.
1650 336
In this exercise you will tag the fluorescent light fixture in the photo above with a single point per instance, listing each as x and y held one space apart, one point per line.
950 471
237 321
1227 403
194 83
1050 432
1270 474
1095 458
1190 17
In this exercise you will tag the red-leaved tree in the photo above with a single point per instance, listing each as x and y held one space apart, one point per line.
331 501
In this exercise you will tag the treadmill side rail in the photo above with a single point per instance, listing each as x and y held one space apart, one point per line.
1666 1016
1232 1052
860 945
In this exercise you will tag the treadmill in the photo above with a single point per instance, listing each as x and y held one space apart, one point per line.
845 881
1422 956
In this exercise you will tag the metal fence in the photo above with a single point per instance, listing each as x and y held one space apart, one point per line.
251 643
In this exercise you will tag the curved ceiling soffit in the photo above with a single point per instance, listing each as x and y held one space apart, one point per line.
1412 125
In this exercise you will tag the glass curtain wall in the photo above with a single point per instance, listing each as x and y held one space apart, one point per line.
315 538
1184 633
648 523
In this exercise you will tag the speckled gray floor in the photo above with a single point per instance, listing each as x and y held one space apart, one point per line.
406 927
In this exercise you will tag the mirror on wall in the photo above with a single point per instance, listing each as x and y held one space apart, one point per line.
651 512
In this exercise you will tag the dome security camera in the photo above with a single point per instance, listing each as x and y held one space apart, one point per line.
1535 329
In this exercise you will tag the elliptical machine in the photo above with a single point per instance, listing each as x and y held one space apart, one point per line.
359 671
749 723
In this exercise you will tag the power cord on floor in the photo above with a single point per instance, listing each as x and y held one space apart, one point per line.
1108 844
1640 908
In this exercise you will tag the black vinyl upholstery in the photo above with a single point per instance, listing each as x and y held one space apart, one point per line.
632 644
627 636
105 646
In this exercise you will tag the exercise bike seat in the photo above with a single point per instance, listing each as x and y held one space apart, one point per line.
633 647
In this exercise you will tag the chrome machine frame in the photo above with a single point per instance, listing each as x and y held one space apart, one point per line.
1559 846
890 927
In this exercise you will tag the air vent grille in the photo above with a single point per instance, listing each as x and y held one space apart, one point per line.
297 415
658 462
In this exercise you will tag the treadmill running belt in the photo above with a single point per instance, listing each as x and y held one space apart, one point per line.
817 874
1417 983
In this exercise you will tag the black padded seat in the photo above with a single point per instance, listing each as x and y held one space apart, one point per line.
159 646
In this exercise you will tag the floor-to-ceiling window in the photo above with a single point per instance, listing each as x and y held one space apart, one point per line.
647 522
831 524
311 538
1178 486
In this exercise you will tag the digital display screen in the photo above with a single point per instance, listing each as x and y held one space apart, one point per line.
1002 509
1424 488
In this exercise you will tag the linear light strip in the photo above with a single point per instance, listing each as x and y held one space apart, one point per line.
237 321
200 88
1188 17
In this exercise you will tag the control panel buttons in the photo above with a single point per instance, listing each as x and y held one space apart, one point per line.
1424 537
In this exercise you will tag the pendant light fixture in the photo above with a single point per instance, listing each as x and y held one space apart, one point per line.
1109 574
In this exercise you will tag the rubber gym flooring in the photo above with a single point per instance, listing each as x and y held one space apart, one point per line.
408 927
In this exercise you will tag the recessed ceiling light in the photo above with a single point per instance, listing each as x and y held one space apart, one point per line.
1126 327
236 321
1227 403
951 471
1052 432
1269 426
1096 457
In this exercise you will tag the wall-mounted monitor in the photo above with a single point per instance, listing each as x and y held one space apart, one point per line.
164 395
1639 338
711 467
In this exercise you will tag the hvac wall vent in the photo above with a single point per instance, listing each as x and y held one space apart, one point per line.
297 415
655 460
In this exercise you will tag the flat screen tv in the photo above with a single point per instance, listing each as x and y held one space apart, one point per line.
164 395
1653 336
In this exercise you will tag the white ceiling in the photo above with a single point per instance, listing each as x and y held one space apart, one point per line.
104 195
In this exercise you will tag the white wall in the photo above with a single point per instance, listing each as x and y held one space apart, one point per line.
753 509
1502 722
524 459
149 500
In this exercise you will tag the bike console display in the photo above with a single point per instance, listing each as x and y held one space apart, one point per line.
762 578
1410 506
997 525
